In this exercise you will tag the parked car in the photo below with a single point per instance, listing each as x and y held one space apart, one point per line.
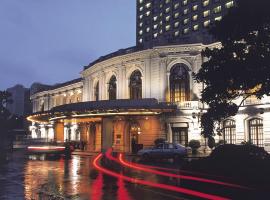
164 150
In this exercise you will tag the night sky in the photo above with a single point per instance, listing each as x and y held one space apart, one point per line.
49 41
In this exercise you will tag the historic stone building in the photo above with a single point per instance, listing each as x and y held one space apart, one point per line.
133 96
138 96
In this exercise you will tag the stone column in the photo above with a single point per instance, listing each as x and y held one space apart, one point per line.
169 133
168 95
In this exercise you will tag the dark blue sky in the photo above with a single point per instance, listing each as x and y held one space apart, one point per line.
49 41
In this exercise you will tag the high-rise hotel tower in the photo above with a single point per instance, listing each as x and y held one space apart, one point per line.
164 22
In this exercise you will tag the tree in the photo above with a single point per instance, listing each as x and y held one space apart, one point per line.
5 116
6 120
240 67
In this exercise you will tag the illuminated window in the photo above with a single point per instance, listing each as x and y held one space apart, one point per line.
148 5
195 17
185 21
229 4
141 24
176 33
147 29
206 3
147 13
217 9
206 13
112 88
179 83
218 18
195 7
206 23
168 27
167 1
184 2
168 18
185 11
141 16
135 85
161 31
167 10
256 131
155 35
176 6
141 8
155 26
155 18
186 30
229 135
176 15
96 93
141 1
176 24
141 32
140 40
196 27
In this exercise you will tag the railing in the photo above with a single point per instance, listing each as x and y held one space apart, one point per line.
187 105
252 101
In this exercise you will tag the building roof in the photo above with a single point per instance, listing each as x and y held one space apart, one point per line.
43 88
119 52
120 107
119 104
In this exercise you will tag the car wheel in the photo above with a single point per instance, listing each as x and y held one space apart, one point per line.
146 156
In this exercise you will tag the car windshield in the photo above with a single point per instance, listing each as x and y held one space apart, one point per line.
159 146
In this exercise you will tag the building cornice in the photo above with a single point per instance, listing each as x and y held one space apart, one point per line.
139 56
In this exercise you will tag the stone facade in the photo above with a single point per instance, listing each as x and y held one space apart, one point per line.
155 66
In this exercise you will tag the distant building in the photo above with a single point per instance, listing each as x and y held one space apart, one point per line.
21 105
163 22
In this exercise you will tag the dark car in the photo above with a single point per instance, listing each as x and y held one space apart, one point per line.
164 150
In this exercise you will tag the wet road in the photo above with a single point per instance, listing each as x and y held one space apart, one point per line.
38 178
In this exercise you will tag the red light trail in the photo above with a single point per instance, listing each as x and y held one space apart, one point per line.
130 165
146 169
156 185
110 157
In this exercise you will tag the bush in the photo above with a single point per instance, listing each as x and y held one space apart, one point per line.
194 144
159 140
239 152
211 142
221 142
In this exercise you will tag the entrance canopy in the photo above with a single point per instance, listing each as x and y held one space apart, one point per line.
97 109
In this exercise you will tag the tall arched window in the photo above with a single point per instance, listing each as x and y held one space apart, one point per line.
179 83
112 88
96 94
229 134
256 131
135 85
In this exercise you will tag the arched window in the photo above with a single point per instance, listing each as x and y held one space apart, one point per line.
96 94
229 134
112 88
135 85
179 83
256 131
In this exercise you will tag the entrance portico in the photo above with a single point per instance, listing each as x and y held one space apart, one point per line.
121 124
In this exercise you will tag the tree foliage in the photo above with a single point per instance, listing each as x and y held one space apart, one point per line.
5 116
240 67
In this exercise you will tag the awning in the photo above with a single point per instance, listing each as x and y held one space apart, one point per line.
120 107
